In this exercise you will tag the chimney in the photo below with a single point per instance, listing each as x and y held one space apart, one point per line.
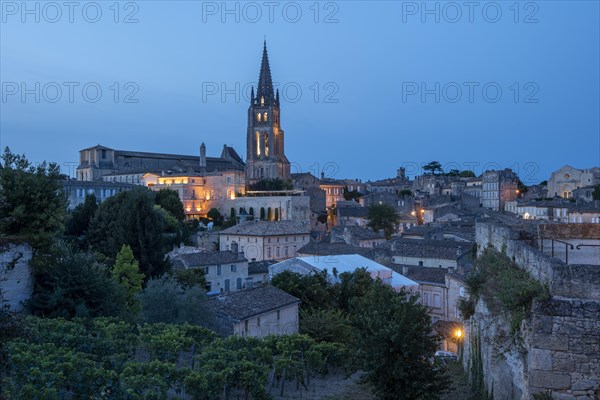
203 157
322 175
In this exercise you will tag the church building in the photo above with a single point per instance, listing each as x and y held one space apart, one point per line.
206 182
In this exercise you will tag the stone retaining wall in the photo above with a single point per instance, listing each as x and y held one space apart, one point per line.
558 348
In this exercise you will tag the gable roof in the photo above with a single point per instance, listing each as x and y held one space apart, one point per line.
204 258
328 249
259 267
425 275
255 301
269 228
427 248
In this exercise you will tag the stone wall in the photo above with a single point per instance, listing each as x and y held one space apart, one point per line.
570 231
564 349
16 280
558 348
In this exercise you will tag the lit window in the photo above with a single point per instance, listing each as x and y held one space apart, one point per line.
266 144
258 143
266 117
262 101
258 117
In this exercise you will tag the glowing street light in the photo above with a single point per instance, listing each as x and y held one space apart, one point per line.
458 333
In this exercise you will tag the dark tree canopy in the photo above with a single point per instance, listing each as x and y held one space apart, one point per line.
596 193
79 219
272 184
72 284
395 343
169 200
433 167
131 218
32 202
165 300
352 194
383 217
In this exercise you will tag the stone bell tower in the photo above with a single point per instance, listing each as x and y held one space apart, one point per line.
265 139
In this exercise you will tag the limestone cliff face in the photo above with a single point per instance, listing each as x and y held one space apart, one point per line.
16 280
503 357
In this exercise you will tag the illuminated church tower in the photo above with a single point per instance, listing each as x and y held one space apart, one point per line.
265 141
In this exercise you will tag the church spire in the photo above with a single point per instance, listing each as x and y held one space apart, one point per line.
265 84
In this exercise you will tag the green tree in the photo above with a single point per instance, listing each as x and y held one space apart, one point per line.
352 195
214 215
79 219
69 283
127 273
596 193
276 184
312 289
326 325
467 174
395 344
433 167
169 200
32 201
383 217
131 218
191 277
165 300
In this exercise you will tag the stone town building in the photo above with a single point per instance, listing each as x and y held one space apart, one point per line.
498 187
259 311
311 185
585 213
449 254
215 182
225 271
103 163
356 236
77 191
563 182
391 185
264 240
265 139
290 205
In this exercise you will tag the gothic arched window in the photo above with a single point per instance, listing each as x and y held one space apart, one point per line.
258 116
262 101
266 117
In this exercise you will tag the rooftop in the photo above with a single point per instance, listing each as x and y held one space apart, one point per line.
251 302
259 267
204 258
426 248
269 228
341 263
421 274
328 249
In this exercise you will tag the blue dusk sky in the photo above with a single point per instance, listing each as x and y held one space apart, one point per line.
366 86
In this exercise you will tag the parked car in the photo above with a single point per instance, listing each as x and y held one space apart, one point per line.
445 355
